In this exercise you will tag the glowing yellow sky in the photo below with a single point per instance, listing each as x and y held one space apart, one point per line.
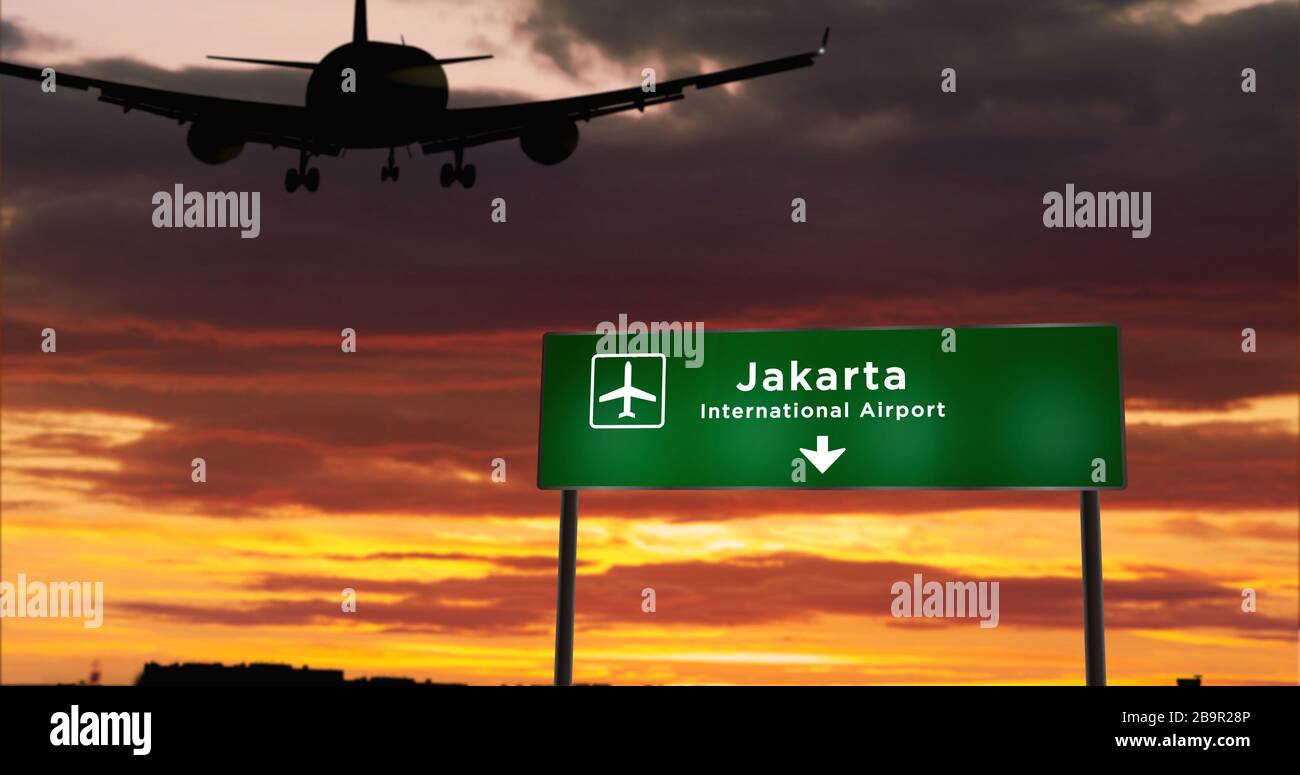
187 559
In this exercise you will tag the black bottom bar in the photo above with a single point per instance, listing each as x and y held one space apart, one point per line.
1094 624
568 581
300 726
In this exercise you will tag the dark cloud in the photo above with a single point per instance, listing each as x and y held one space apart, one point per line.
318 429
1065 82
516 563
910 192
753 590
16 39
285 419
924 209
1220 529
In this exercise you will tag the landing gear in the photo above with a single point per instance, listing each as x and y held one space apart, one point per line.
465 173
307 178
390 170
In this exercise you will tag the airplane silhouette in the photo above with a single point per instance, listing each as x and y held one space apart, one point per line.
627 393
400 98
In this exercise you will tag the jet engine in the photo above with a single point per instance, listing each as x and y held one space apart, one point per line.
212 144
551 142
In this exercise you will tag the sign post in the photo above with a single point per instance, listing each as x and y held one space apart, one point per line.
1036 407
1094 625
567 588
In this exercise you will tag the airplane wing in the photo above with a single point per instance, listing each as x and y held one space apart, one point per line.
259 122
641 394
627 391
467 127
614 394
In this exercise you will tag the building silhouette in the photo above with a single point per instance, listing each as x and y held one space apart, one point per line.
259 674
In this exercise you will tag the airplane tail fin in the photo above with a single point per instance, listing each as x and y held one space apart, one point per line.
360 35
359 23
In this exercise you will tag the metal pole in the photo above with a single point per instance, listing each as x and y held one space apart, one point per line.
1094 623
568 580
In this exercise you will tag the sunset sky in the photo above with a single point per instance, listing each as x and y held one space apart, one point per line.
372 470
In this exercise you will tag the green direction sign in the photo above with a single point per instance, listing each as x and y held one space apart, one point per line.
1015 407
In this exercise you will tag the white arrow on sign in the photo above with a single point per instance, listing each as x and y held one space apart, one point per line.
822 457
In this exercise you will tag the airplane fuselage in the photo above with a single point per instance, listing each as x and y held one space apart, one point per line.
627 406
377 95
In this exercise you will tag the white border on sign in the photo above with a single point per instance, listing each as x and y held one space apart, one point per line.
663 390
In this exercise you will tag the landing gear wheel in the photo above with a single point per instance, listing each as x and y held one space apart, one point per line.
468 174
312 179
383 173
291 180
448 175
394 174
